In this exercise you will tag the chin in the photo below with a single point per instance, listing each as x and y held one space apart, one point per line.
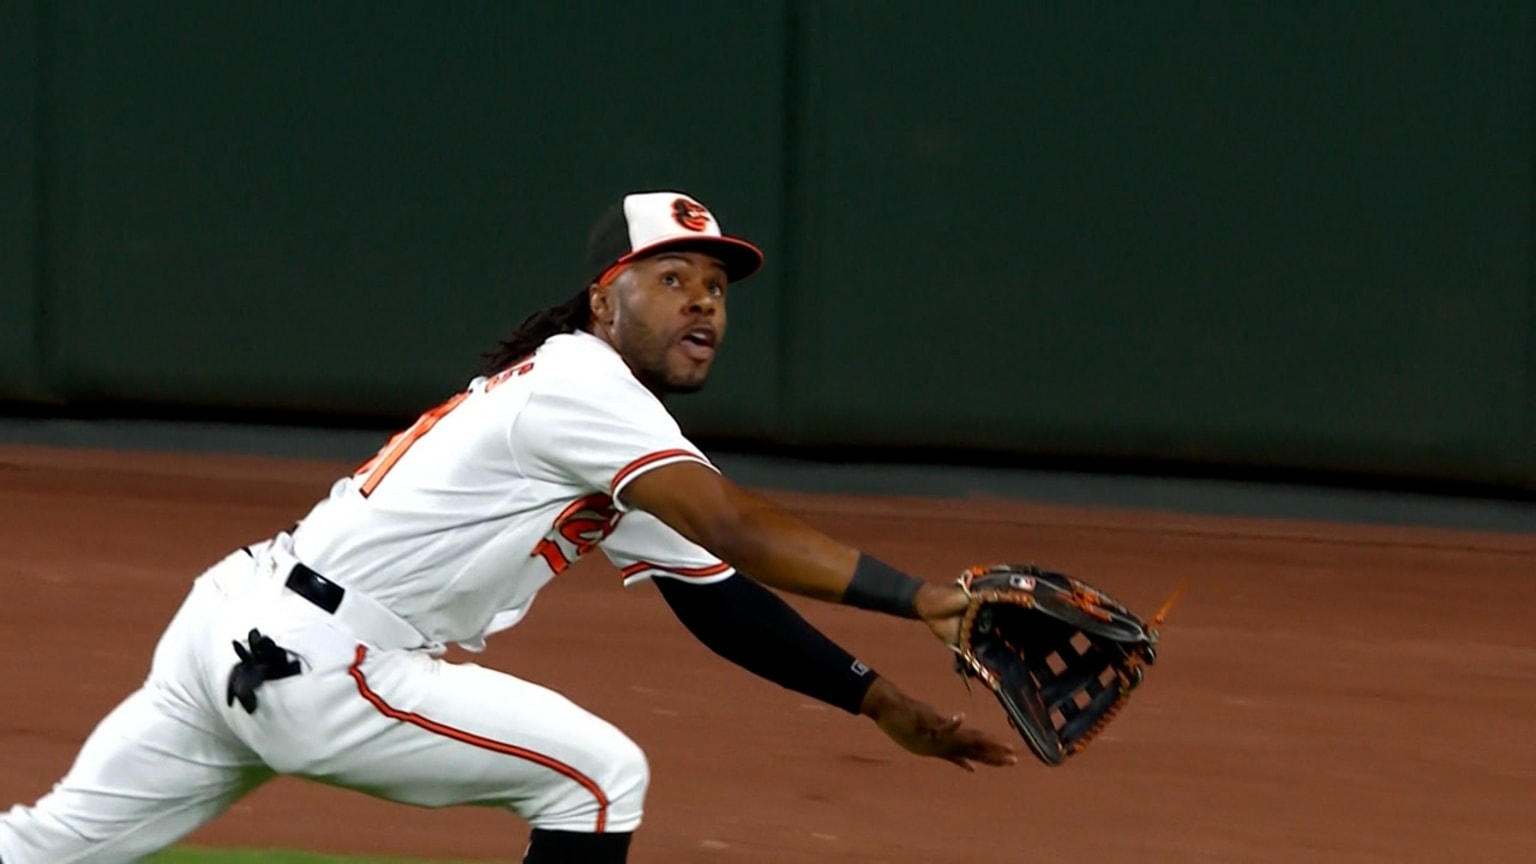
683 388
686 378
666 383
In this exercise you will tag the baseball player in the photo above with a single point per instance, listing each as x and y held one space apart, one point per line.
317 653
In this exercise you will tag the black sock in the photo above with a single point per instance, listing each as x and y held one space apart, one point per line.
574 847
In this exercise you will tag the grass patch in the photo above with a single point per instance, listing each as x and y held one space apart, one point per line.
275 856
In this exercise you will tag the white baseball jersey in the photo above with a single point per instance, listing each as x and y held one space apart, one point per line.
453 526
460 519
444 536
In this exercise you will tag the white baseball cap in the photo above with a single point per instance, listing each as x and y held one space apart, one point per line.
645 223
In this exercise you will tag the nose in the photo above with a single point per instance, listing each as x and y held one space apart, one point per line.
701 301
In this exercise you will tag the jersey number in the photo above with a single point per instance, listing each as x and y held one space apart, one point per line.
395 448
378 467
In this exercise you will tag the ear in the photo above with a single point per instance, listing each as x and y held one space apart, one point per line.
601 303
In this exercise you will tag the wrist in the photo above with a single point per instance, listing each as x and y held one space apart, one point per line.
879 698
941 607
878 587
938 601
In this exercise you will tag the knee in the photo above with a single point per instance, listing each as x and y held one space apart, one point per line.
629 780
603 792
607 795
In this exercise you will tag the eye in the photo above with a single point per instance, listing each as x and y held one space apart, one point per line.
716 289
670 280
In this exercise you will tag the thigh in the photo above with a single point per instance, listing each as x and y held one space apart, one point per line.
144 779
419 730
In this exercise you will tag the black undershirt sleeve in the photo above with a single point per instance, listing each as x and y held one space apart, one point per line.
754 628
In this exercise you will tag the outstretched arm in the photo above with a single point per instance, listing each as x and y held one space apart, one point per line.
752 627
757 536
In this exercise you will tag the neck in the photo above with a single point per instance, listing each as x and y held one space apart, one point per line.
606 335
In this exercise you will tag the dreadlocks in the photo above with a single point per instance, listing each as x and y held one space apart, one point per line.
567 317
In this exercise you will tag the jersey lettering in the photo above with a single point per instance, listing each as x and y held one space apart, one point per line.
577 530
504 375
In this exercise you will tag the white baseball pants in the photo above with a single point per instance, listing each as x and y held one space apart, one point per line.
398 724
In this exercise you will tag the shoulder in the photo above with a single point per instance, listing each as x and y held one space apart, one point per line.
579 354
579 373
582 364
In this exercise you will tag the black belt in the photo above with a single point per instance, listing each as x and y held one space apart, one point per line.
315 588
311 585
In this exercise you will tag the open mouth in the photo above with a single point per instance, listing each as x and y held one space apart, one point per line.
699 343
704 337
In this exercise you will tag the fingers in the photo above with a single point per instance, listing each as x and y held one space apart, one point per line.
963 763
967 745
991 751
931 733
995 754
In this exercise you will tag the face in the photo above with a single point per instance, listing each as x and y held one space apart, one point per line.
666 316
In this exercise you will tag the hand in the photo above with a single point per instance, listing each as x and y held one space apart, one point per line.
940 607
921 730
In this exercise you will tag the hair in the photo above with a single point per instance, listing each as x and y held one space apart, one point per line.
568 317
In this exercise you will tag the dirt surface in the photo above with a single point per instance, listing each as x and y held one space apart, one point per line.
1325 693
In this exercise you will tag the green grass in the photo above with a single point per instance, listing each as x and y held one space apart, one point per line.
231 856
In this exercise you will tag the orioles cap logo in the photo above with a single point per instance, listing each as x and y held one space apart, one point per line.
690 214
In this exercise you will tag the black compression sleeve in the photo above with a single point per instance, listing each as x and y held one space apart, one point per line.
752 627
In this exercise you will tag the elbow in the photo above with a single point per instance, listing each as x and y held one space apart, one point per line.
731 536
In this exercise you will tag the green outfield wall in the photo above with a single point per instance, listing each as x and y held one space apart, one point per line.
1259 234
21 283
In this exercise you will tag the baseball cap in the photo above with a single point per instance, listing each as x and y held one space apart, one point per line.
644 223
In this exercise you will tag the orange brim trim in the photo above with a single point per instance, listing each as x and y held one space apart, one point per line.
700 241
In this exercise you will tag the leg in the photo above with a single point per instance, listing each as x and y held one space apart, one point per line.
143 780
154 770
415 729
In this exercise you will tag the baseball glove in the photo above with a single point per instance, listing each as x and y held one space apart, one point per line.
1060 656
